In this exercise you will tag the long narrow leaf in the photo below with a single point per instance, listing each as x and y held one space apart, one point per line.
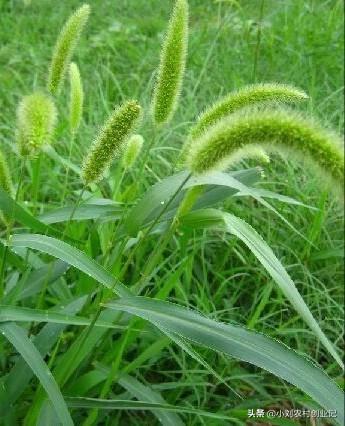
240 343
30 354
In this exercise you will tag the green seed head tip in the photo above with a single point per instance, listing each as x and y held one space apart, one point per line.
172 65
248 96
5 176
76 97
65 46
132 150
36 119
111 141
279 130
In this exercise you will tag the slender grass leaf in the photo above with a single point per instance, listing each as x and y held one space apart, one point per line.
17 336
13 209
240 343
72 256
155 197
19 314
117 404
242 230
145 393
83 212
21 374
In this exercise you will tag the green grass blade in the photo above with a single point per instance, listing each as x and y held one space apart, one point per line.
118 404
18 314
31 355
240 343
145 393
158 194
20 375
72 256
238 227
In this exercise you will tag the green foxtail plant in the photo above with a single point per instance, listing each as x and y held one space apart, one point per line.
36 119
111 141
76 97
146 244
172 65
132 151
5 182
64 47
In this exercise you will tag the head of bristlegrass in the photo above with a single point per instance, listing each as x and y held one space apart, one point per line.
172 65
132 150
5 182
251 95
111 141
76 97
36 119
275 130
64 47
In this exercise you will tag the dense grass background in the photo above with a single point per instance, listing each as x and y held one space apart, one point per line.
301 43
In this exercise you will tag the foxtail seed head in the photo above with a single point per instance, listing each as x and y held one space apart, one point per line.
247 96
111 141
172 65
132 150
76 97
65 46
5 177
36 119
5 183
273 130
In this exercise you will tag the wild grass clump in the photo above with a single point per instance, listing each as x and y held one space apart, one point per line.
95 250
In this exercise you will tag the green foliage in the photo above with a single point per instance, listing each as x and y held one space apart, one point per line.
132 150
64 47
277 130
76 97
172 65
147 236
111 141
36 119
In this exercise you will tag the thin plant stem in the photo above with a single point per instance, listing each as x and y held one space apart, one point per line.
71 146
10 227
36 177
258 41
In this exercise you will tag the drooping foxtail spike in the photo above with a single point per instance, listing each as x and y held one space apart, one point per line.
172 65
111 141
76 97
36 119
277 130
247 96
65 46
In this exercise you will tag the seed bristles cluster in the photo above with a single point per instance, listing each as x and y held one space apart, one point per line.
172 65
36 119
278 130
111 141
65 46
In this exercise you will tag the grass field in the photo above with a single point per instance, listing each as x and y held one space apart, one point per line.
230 45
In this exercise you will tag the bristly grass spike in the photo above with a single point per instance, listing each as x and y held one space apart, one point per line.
64 47
36 119
172 65
111 141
